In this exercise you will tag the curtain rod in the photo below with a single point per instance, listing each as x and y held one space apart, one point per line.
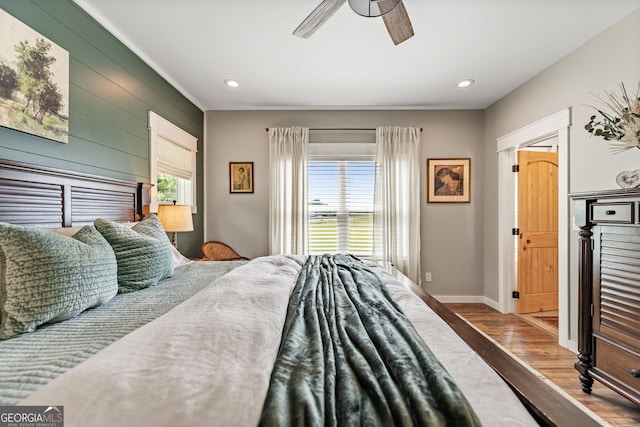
336 129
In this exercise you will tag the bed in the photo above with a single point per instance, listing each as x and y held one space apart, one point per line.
198 344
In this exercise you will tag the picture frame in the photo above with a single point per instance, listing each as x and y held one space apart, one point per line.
34 94
449 180
241 177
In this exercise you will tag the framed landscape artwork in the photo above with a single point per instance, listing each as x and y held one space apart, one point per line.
449 180
241 177
34 82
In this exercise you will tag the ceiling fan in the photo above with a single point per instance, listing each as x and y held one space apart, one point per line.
393 13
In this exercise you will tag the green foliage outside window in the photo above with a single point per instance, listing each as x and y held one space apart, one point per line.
167 188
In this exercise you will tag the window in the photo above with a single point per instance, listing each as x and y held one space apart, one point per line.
173 164
341 174
341 207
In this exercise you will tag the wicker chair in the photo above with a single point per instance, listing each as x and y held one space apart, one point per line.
218 251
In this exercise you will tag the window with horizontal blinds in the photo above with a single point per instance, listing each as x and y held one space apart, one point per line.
341 174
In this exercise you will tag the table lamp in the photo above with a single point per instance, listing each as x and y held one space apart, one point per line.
174 219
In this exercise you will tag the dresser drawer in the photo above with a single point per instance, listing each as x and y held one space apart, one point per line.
619 213
618 363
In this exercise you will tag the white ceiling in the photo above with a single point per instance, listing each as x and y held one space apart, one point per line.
351 63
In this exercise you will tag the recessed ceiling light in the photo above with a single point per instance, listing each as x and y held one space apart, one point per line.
466 83
231 83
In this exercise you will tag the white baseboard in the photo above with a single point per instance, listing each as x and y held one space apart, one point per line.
492 303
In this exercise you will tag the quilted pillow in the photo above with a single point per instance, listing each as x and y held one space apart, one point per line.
47 277
144 252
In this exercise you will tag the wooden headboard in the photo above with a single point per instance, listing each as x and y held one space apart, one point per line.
44 197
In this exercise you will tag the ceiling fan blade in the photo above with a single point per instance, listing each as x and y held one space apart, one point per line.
319 16
398 24
386 6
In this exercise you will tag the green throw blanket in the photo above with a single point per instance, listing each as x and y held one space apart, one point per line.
350 357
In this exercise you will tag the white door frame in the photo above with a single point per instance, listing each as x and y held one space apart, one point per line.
554 126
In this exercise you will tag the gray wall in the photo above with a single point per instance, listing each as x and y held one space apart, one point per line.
599 65
451 233
110 93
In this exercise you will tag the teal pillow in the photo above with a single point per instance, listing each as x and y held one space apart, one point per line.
47 277
144 252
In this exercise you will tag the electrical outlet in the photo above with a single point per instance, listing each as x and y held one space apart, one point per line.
427 277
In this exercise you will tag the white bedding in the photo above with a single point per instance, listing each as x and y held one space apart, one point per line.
208 361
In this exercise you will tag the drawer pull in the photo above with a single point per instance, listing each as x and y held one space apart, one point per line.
635 373
610 212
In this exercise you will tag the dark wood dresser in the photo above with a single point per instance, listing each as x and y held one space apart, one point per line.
609 290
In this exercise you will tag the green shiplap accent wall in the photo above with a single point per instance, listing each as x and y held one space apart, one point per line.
111 91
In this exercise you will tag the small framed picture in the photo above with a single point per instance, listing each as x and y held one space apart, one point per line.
449 180
241 177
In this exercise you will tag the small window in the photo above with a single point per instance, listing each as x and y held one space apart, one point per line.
172 188
173 164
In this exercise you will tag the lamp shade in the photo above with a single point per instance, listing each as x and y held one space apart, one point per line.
175 218
373 8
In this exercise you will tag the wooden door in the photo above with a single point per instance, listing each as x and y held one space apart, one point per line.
538 224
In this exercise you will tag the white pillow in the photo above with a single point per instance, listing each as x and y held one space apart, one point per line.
178 259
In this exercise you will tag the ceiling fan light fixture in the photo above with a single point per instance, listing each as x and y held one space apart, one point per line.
466 83
394 15
232 83
373 8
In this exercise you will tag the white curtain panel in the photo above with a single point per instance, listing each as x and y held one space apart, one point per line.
288 190
397 199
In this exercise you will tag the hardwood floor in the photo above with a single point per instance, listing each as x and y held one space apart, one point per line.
539 349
